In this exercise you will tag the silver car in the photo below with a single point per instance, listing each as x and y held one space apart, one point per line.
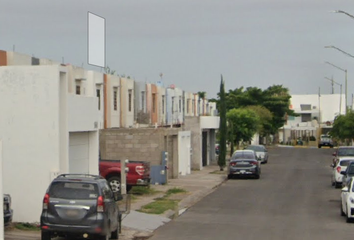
244 163
261 151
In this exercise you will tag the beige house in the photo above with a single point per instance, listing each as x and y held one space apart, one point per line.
127 103
112 101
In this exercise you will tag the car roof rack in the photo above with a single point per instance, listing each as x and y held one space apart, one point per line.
82 175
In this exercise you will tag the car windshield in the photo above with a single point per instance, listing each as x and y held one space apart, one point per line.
243 155
256 148
346 152
69 190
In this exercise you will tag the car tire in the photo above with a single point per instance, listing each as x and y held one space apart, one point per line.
258 176
341 210
319 146
45 236
229 176
105 237
347 217
114 182
337 184
115 234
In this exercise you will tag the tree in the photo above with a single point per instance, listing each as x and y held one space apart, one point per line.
343 127
245 123
202 96
265 117
222 127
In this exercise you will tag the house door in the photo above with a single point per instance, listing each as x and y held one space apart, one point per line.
205 148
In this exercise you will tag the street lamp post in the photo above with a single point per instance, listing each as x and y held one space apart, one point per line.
340 96
346 83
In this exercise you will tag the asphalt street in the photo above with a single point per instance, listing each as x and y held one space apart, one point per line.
292 200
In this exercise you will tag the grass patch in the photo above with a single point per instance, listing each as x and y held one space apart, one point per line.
27 226
175 191
159 206
143 190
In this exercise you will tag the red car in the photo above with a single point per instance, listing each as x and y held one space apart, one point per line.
138 174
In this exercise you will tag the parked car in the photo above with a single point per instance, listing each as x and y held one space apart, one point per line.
80 206
138 174
8 212
217 149
261 152
347 174
338 167
343 151
347 201
244 163
325 140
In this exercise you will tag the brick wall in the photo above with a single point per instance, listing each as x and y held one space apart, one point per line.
142 144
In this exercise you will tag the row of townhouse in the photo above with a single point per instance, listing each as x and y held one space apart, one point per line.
54 117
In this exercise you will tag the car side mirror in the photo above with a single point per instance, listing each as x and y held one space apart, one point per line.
118 197
343 172
345 189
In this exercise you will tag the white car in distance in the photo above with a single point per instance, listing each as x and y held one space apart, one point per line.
347 201
340 165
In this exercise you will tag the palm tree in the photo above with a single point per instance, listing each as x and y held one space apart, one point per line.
202 95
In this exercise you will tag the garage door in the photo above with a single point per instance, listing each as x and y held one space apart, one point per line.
79 152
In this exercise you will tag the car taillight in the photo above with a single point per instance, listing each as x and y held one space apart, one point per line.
46 201
100 204
254 163
140 170
232 164
338 169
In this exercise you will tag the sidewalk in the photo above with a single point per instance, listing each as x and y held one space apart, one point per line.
137 225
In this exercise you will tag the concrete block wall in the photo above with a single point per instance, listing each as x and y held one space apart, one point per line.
141 144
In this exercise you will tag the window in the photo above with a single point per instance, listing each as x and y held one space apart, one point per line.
78 90
306 117
193 105
153 102
180 104
163 104
115 99
73 190
98 94
143 101
188 107
130 100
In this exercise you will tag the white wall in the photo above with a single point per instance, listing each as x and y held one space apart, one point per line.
95 81
114 115
127 116
184 150
83 114
29 97
209 122
161 112
329 104
179 111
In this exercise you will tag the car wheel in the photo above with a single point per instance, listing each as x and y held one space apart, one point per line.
341 210
348 218
45 236
258 176
114 234
229 176
114 182
337 184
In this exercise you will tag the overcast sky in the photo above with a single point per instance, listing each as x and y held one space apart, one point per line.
192 42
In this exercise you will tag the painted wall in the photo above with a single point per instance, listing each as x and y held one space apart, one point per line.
153 103
127 113
162 105
140 100
188 110
18 59
3 58
94 82
112 101
31 133
170 106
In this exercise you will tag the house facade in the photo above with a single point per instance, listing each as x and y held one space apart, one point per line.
127 103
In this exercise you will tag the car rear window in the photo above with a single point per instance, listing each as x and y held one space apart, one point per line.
346 152
345 163
73 190
243 156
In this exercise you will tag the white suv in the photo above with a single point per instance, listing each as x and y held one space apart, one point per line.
340 165
347 197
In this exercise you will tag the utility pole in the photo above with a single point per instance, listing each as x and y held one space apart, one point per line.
332 85
319 105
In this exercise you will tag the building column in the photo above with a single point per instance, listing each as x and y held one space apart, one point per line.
212 134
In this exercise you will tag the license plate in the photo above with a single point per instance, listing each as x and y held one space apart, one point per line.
242 171
71 213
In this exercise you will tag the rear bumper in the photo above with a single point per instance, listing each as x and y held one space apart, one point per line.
248 171
73 230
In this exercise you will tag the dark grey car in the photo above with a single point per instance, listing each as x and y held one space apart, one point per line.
244 163
80 206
